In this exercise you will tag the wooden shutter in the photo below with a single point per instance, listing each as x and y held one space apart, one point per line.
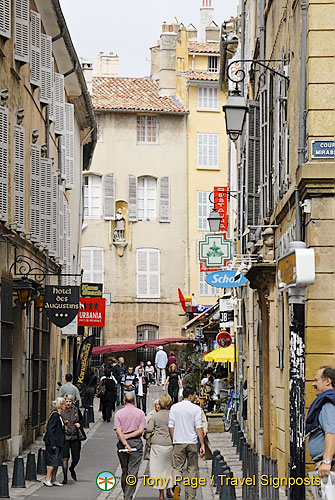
148 273
46 203
142 273
97 265
154 273
69 145
62 157
59 104
35 48
253 163
61 222
19 178
52 103
86 264
46 70
35 192
132 198
54 250
203 210
109 197
164 205
67 246
4 126
21 30
5 18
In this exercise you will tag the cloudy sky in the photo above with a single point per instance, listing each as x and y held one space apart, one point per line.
129 27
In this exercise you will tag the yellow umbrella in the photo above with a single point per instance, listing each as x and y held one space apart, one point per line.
221 355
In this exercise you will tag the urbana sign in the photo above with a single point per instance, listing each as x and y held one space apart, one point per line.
226 279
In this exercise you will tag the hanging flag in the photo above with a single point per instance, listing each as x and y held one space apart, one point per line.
83 359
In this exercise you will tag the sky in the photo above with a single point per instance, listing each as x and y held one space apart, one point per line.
130 27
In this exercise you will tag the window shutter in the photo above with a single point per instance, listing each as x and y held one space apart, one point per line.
148 273
54 250
164 207
19 177
46 70
35 193
5 18
61 223
67 246
86 264
69 145
35 48
203 210
4 126
21 30
59 104
46 203
109 197
154 273
142 273
52 103
132 198
97 265
62 165
253 163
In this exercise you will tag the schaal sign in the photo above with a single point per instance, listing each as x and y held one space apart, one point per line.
91 312
61 303
225 279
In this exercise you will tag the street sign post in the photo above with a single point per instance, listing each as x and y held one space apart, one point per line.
226 313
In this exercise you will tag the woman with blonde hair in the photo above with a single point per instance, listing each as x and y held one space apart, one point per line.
174 383
54 441
161 448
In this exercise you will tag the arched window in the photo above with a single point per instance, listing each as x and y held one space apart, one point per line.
146 332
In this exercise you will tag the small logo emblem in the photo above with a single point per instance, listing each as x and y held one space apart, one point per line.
106 481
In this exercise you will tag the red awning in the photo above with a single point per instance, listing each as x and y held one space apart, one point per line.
105 349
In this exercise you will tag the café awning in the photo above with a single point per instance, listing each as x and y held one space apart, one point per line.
201 317
105 349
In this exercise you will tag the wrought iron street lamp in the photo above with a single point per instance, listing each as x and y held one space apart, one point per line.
25 292
214 221
235 112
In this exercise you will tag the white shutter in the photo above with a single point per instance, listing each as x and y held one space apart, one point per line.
97 265
54 250
21 30
86 264
62 166
203 210
148 273
61 223
59 103
69 145
5 18
109 197
35 201
52 103
142 273
67 247
205 289
4 126
19 177
164 205
46 203
154 273
46 70
132 198
35 48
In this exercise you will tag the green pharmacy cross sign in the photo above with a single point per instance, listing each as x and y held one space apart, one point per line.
215 250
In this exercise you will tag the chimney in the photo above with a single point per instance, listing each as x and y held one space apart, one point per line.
207 16
213 33
168 54
88 72
108 64
192 33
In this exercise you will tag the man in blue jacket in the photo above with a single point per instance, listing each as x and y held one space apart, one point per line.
320 423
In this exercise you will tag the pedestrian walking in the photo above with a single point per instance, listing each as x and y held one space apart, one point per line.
118 371
141 365
160 364
172 360
73 420
69 388
128 381
155 409
320 424
108 392
54 439
89 389
185 427
173 382
161 448
141 390
150 372
129 424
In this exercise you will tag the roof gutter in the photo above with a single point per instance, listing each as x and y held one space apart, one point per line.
117 110
91 122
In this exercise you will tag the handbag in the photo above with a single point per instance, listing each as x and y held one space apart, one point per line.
328 488
102 390
81 434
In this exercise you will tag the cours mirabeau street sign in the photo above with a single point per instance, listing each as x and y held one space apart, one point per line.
215 250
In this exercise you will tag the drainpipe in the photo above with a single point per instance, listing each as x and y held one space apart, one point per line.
188 198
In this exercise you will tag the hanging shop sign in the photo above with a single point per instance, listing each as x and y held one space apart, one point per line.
226 312
226 279
296 269
215 250
61 303
323 149
83 360
223 339
205 269
91 290
91 312
221 205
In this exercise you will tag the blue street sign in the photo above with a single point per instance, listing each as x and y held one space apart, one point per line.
225 279
323 149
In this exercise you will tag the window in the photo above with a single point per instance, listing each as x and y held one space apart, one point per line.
148 273
146 198
206 290
92 262
208 150
203 210
147 129
146 332
213 65
6 355
208 98
92 196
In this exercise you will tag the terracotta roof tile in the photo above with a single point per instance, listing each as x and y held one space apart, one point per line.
204 48
201 75
132 94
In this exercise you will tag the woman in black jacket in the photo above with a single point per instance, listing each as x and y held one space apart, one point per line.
109 397
73 420
54 441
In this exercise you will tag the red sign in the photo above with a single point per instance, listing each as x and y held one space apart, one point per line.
205 269
223 339
182 299
91 311
221 205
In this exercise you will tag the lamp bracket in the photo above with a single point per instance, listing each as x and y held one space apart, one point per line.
228 192
27 267
239 74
